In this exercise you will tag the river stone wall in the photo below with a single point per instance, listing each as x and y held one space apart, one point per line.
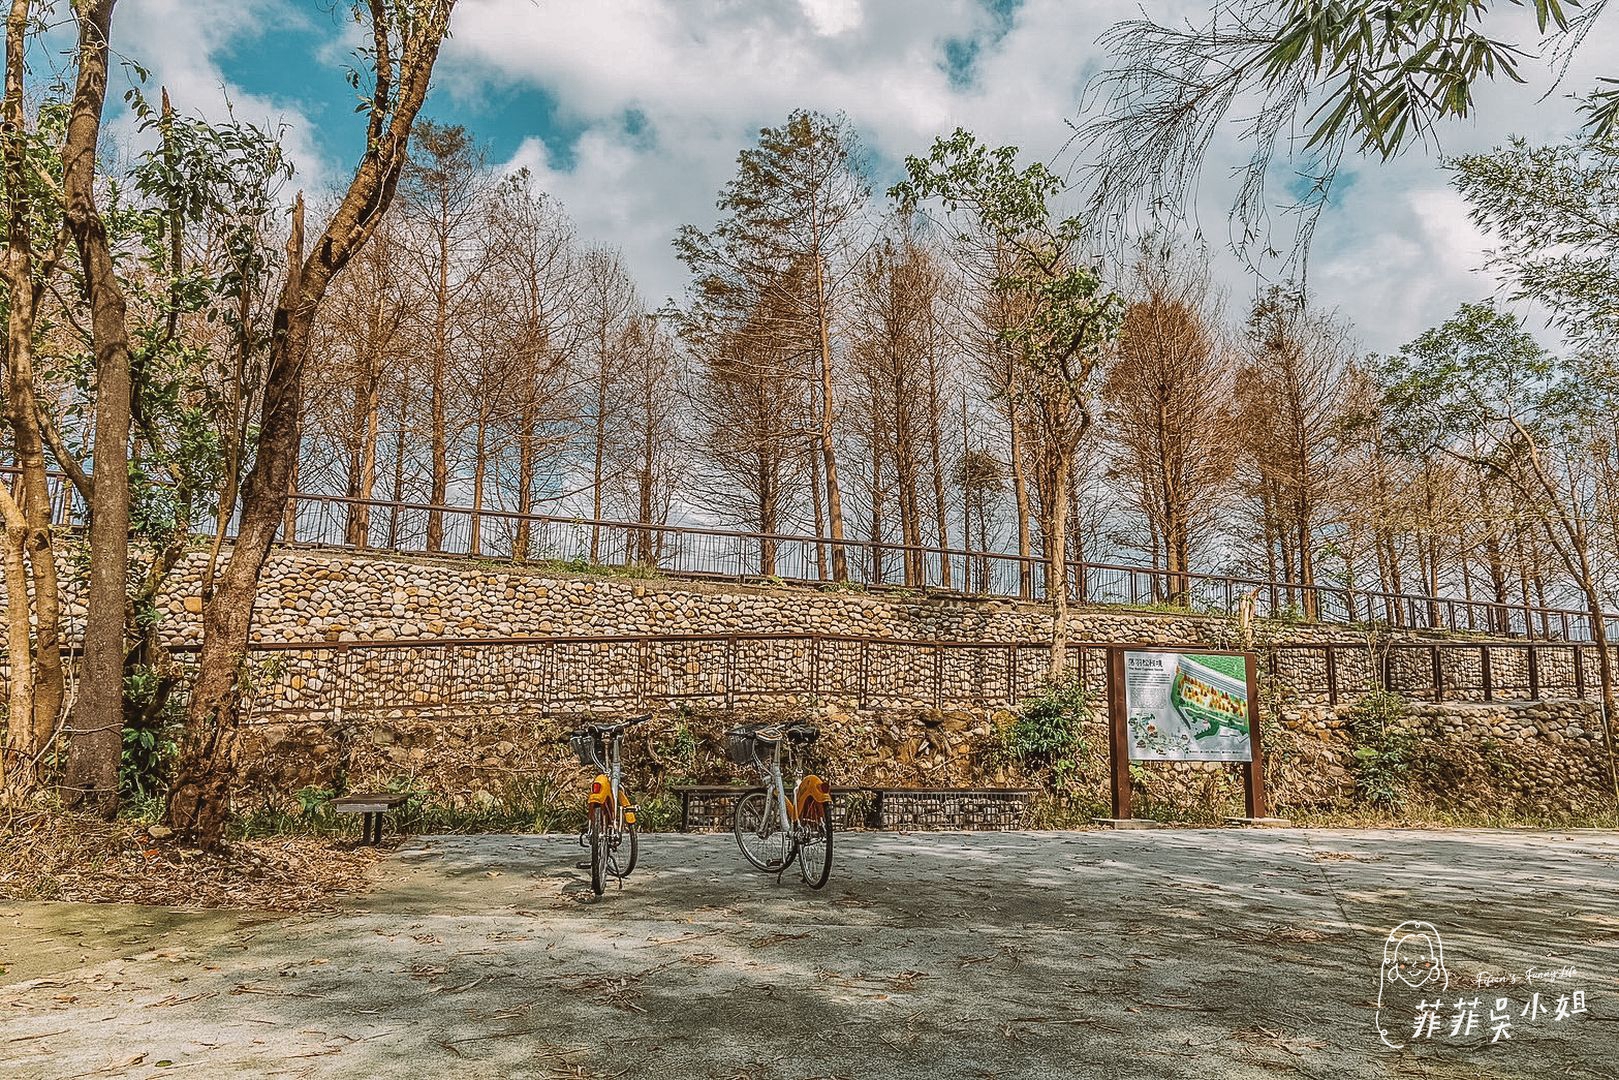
467 723
316 595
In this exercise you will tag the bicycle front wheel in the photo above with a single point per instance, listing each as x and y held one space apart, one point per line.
599 855
625 852
760 834
815 845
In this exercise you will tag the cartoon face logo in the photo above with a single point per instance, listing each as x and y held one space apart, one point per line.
1415 961
1413 957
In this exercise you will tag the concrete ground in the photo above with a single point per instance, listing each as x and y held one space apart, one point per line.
1195 953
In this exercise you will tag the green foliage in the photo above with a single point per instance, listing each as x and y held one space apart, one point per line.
1069 316
1384 747
312 801
1305 80
1553 215
1390 72
151 744
679 751
1048 732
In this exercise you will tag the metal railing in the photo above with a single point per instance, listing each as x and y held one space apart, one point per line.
544 675
423 528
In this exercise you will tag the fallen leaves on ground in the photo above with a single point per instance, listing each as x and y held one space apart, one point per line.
60 856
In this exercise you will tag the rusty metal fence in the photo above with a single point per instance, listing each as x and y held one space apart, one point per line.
470 677
422 528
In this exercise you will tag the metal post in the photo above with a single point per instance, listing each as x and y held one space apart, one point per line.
1118 735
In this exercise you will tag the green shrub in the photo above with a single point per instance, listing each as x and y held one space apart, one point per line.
150 736
1384 747
1049 730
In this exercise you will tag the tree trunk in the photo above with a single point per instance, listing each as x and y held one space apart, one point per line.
650 546
600 455
876 515
96 727
1020 493
289 507
1606 679
1057 569
819 512
37 683
936 439
198 803
17 773
834 496
367 417
479 466
398 478
525 474
440 438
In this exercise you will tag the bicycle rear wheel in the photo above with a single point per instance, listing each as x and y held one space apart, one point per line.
815 845
599 854
760 833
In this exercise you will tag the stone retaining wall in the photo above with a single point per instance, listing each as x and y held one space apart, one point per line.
462 721
316 595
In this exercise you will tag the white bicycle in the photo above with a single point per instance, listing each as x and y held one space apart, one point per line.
772 829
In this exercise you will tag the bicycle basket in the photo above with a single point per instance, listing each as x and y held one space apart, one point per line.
741 747
587 747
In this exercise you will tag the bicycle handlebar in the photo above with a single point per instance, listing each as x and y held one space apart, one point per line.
617 725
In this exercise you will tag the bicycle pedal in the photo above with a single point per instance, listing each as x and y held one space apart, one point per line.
582 865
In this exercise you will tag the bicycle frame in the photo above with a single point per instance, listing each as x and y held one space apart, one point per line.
810 793
607 788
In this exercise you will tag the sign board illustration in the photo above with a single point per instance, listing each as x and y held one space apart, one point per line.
1168 703
1186 706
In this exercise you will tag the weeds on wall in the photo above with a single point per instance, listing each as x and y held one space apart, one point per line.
1385 743
1047 735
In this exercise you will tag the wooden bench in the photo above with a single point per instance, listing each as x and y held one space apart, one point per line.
372 806
702 791
901 807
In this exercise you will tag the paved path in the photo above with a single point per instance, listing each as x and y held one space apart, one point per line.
1212 953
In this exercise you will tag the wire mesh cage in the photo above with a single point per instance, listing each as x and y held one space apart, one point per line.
587 747
742 746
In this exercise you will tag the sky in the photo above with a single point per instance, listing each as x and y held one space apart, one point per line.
631 113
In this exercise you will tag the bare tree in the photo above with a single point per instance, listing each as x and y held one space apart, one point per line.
533 257
1168 396
1290 394
445 188
791 228
611 310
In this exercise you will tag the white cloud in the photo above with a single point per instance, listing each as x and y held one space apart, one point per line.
1394 252
832 16
178 42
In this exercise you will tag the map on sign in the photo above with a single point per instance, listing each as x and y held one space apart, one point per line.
1186 706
